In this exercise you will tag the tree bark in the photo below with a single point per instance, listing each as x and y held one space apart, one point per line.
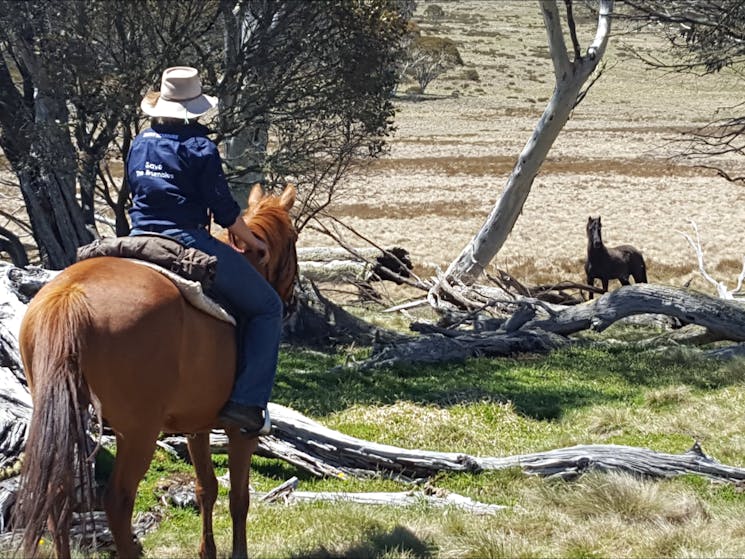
13 247
244 152
37 143
570 76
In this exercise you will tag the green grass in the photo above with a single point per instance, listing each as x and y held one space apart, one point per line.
497 407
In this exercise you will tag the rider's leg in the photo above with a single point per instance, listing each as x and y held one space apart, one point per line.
260 309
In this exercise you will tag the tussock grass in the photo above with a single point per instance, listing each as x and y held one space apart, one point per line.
667 396
628 498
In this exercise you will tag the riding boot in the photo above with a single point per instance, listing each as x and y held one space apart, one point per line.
253 420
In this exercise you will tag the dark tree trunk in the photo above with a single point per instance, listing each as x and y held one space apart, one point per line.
37 143
12 246
87 178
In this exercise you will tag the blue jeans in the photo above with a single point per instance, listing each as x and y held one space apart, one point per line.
259 310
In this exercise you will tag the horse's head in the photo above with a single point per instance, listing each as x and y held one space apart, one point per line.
268 217
594 237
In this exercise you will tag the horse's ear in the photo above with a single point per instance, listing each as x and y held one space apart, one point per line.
288 197
256 194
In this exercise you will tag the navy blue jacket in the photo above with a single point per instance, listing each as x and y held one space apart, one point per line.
175 175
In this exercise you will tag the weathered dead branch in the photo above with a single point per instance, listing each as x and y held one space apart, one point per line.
538 326
721 288
324 452
287 493
441 346
725 319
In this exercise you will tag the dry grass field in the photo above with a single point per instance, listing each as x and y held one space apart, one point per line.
455 147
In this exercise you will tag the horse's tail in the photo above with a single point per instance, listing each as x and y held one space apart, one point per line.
51 335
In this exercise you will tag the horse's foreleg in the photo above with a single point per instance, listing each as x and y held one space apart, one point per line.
591 283
604 281
240 450
199 450
133 455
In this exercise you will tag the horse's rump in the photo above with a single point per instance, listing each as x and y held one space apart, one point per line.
633 261
140 325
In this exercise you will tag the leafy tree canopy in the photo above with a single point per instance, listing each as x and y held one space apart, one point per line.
317 76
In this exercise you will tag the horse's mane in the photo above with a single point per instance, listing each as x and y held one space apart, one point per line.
272 220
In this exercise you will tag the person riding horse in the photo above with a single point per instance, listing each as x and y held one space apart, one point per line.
176 179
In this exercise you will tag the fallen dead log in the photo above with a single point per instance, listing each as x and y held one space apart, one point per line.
324 452
287 493
335 271
441 346
17 286
725 318
354 265
537 326
398 499
329 254
571 462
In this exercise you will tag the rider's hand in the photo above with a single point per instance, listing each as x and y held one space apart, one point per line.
243 240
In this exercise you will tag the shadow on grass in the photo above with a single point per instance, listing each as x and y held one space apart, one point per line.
398 542
540 387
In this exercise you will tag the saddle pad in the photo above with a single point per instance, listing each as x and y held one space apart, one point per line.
192 292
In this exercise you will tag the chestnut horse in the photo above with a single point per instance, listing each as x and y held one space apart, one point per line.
119 335
605 264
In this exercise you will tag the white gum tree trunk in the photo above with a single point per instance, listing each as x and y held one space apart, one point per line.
570 77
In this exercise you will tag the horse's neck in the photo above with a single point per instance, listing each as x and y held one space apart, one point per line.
592 249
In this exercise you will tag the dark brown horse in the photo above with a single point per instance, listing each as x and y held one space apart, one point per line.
119 335
605 264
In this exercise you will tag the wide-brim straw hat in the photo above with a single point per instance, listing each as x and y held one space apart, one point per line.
180 95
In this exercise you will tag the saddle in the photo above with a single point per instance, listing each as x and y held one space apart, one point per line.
191 270
187 262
